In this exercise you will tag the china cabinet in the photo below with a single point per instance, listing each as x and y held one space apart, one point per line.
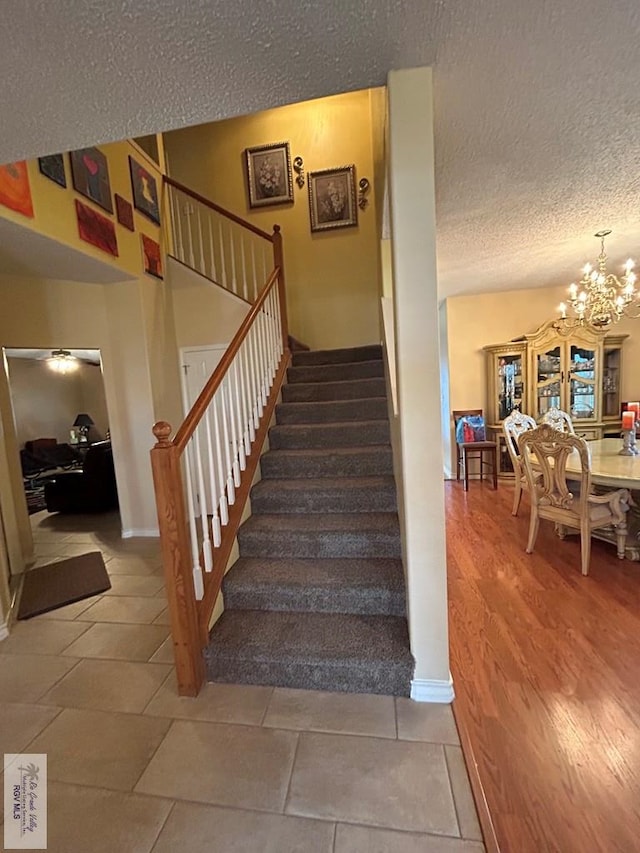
577 371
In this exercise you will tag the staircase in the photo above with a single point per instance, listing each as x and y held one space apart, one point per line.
317 598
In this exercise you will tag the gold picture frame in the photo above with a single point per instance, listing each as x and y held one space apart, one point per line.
269 176
332 198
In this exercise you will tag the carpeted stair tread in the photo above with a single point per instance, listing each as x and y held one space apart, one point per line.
336 372
348 434
325 494
349 389
364 586
375 461
333 411
369 352
321 535
321 651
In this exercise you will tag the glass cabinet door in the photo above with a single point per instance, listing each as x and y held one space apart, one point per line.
611 382
548 380
582 382
509 384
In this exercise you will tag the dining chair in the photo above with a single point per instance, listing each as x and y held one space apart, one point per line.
558 419
545 452
513 426
471 443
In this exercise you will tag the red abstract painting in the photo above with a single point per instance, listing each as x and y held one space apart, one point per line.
96 229
15 192
152 257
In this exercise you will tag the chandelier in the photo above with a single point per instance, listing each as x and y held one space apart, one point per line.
601 298
62 361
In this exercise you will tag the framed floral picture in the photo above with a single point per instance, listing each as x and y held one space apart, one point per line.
269 175
332 198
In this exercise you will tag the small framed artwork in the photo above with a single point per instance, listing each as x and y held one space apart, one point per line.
52 167
15 191
151 256
96 229
269 175
124 212
90 174
145 191
332 198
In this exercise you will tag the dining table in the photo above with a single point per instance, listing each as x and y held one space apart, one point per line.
610 470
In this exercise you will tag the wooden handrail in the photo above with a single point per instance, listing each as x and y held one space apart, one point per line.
211 204
188 426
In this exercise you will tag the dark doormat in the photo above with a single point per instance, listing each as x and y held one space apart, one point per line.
56 584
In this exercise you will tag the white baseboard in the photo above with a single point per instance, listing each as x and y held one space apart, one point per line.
4 630
130 532
432 690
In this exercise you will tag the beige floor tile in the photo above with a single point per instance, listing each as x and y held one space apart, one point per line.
223 765
163 618
131 609
70 611
79 538
358 839
120 642
134 565
108 685
25 678
217 703
74 549
426 721
135 585
205 829
20 723
386 783
344 713
41 637
101 749
465 806
165 653
89 819
49 549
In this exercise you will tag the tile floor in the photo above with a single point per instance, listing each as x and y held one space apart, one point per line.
135 768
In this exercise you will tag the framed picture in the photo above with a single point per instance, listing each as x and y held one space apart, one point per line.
151 256
90 174
124 212
96 229
145 191
52 167
269 174
332 198
15 192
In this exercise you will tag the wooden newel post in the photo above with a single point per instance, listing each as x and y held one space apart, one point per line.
278 260
167 480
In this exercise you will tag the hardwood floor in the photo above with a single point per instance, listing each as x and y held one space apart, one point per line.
546 669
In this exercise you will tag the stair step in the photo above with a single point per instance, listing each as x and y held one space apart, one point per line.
346 494
363 586
336 372
376 461
308 436
349 389
336 356
332 411
323 535
317 651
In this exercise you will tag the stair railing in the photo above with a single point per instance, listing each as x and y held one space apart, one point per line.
202 476
216 243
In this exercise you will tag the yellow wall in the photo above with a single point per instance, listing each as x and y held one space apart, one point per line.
55 211
332 277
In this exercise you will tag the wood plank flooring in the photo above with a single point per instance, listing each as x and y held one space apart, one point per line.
546 669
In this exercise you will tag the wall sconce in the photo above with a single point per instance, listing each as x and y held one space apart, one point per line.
298 168
363 188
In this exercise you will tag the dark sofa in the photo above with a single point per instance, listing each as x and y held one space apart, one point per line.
92 489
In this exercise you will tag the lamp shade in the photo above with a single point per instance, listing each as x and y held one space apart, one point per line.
83 420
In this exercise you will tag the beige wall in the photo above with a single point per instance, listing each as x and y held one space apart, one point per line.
493 318
412 194
45 404
332 277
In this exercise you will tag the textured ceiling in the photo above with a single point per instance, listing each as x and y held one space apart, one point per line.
537 102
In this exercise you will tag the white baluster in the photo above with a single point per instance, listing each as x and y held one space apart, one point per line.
253 383
188 209
234 283
245 289
198 583
204 517
272 339
223 265
262 355
255 274
203 268
176 206
264 266
231 492
238 408
214 274
224 510
215 522
234 430
256 375
279 323
250 435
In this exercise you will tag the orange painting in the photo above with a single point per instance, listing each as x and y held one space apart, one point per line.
15 192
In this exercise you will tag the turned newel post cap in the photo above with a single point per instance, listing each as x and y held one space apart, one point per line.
276 229
162 431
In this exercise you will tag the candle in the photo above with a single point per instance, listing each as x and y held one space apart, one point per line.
635 408
628 420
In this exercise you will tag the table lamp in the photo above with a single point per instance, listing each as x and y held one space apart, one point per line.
83 423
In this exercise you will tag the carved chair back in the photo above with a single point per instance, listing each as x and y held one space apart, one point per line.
545 452
558 419
513 426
